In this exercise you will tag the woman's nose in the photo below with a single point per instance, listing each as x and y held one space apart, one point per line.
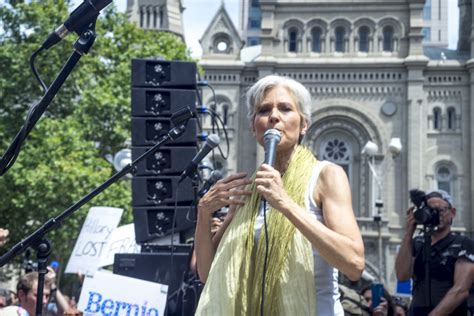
274 116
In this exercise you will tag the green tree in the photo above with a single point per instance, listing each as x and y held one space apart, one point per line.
62 159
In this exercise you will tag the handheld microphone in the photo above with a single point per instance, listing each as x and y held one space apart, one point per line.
211 142
271 138
78 20
216 175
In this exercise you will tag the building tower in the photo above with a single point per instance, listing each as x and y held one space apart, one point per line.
158 15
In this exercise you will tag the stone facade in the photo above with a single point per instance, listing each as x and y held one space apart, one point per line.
371 79
160 15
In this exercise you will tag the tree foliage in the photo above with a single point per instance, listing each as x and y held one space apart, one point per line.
63 157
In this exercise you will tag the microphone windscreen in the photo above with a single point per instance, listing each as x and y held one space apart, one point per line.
213 140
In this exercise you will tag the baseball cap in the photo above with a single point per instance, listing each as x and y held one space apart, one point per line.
440 194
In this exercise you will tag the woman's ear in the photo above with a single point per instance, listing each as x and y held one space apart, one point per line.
304 127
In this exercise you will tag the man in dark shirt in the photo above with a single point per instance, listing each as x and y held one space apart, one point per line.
451 262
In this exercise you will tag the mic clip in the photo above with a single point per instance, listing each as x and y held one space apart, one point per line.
84 43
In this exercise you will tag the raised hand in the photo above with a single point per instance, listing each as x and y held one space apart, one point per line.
227 191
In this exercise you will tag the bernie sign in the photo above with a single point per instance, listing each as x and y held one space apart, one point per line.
110 294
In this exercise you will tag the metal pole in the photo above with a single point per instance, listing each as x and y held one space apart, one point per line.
378 219
377 204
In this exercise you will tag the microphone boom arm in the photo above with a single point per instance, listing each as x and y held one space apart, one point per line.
54 222
81 47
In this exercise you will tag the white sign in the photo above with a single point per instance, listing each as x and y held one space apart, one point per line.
99 225
112 294
122 240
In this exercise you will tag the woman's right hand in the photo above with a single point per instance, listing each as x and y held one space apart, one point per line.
227 191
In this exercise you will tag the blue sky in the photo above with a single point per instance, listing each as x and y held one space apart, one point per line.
199 13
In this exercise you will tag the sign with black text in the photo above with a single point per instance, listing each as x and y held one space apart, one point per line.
91 243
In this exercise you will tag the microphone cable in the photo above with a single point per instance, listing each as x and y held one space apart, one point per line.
214 97
213 114
35 72
10 156
264 274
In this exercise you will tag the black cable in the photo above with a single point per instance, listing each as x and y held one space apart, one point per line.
195 111
10 156
35 72
214 115
215 102
173 223
264 274
224 129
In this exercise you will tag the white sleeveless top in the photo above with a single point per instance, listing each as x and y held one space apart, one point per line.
325 276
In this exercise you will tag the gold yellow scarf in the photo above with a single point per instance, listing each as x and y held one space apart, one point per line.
235 280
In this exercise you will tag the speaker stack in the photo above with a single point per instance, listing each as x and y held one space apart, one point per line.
160 88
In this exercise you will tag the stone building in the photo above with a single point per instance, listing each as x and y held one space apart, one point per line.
159 15
372 79
374 74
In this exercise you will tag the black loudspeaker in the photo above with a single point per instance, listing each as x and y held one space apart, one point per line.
163 102
157 266
156 222
159 89
161 73
147 131
166 160
161 190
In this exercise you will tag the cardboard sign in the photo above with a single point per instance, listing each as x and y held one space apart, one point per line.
122 240
96 230
111 294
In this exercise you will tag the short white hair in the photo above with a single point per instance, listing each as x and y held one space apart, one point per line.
256 93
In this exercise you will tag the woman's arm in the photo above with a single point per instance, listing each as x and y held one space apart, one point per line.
227 191
339 242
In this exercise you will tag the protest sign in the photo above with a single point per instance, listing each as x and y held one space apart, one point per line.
111 294
90 244
122 240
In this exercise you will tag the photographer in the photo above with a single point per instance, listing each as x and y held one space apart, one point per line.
450 261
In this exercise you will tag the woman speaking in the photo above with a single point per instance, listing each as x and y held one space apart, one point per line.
311 229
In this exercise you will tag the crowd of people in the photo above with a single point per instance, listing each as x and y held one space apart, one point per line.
290 231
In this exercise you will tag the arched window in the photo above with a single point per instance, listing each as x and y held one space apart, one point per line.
451 118
437 118
142 16
388 39
444 178
225 114
161 17
337 151
340 35
148 17
364 39
293 40
155 17
316 40
339 146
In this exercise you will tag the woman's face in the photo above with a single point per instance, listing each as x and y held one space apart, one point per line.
279 110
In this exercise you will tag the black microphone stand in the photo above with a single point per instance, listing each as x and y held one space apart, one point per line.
37 239
81 47
427 233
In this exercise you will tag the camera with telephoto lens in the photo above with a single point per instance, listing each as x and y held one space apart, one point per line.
423 214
